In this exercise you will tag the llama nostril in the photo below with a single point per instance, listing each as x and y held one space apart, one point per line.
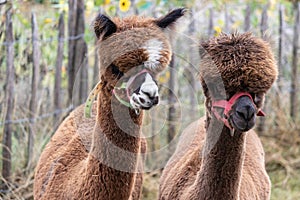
142 100
240 114
246 112
155 100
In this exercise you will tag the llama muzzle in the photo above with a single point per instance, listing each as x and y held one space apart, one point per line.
242 116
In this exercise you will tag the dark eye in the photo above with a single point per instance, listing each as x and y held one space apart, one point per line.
253 96
115 71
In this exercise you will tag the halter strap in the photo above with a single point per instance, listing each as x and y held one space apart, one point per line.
90 99
125 103
227 105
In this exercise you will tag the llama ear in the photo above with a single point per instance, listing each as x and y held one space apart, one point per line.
104 27
170 18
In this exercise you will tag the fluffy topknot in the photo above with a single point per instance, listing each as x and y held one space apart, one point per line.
243 63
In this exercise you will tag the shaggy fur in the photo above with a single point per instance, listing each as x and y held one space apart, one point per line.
100 157
209 163
244 62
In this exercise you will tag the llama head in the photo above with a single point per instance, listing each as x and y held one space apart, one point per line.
232 65
133 45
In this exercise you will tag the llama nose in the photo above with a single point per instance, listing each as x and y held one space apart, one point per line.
246 112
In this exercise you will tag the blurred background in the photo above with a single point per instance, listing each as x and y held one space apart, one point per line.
48 65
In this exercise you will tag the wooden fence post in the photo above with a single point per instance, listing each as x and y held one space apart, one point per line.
294 75
77 54
34 88
10 79
80 59
58 68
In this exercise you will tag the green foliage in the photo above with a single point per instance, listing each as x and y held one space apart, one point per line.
99 2
144 4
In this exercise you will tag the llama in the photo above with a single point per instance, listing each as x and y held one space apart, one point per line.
220 156
100 157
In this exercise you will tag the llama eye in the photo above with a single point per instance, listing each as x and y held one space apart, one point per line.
256 99
116 71
259 99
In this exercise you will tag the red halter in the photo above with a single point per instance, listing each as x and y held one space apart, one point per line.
227 105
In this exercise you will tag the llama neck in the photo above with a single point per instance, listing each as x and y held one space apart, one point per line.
117 126
116 144
222 160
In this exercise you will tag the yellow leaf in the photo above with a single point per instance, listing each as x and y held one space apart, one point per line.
48 20
218 30
164 78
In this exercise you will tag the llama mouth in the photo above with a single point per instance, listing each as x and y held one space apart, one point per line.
244 127
137 105
146 108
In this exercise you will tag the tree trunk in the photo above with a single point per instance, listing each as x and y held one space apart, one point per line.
58 66
227 21
294 75
71 47
263 28
172 109
135 9
153 130
280 70
191 70
247 21
281 21
264 20
34 88
10 73
80 58
83 89
211 22
96 77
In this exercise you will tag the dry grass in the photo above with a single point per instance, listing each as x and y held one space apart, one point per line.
282 146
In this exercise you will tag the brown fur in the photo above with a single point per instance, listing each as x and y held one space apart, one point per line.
209 163
100 157
244 62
